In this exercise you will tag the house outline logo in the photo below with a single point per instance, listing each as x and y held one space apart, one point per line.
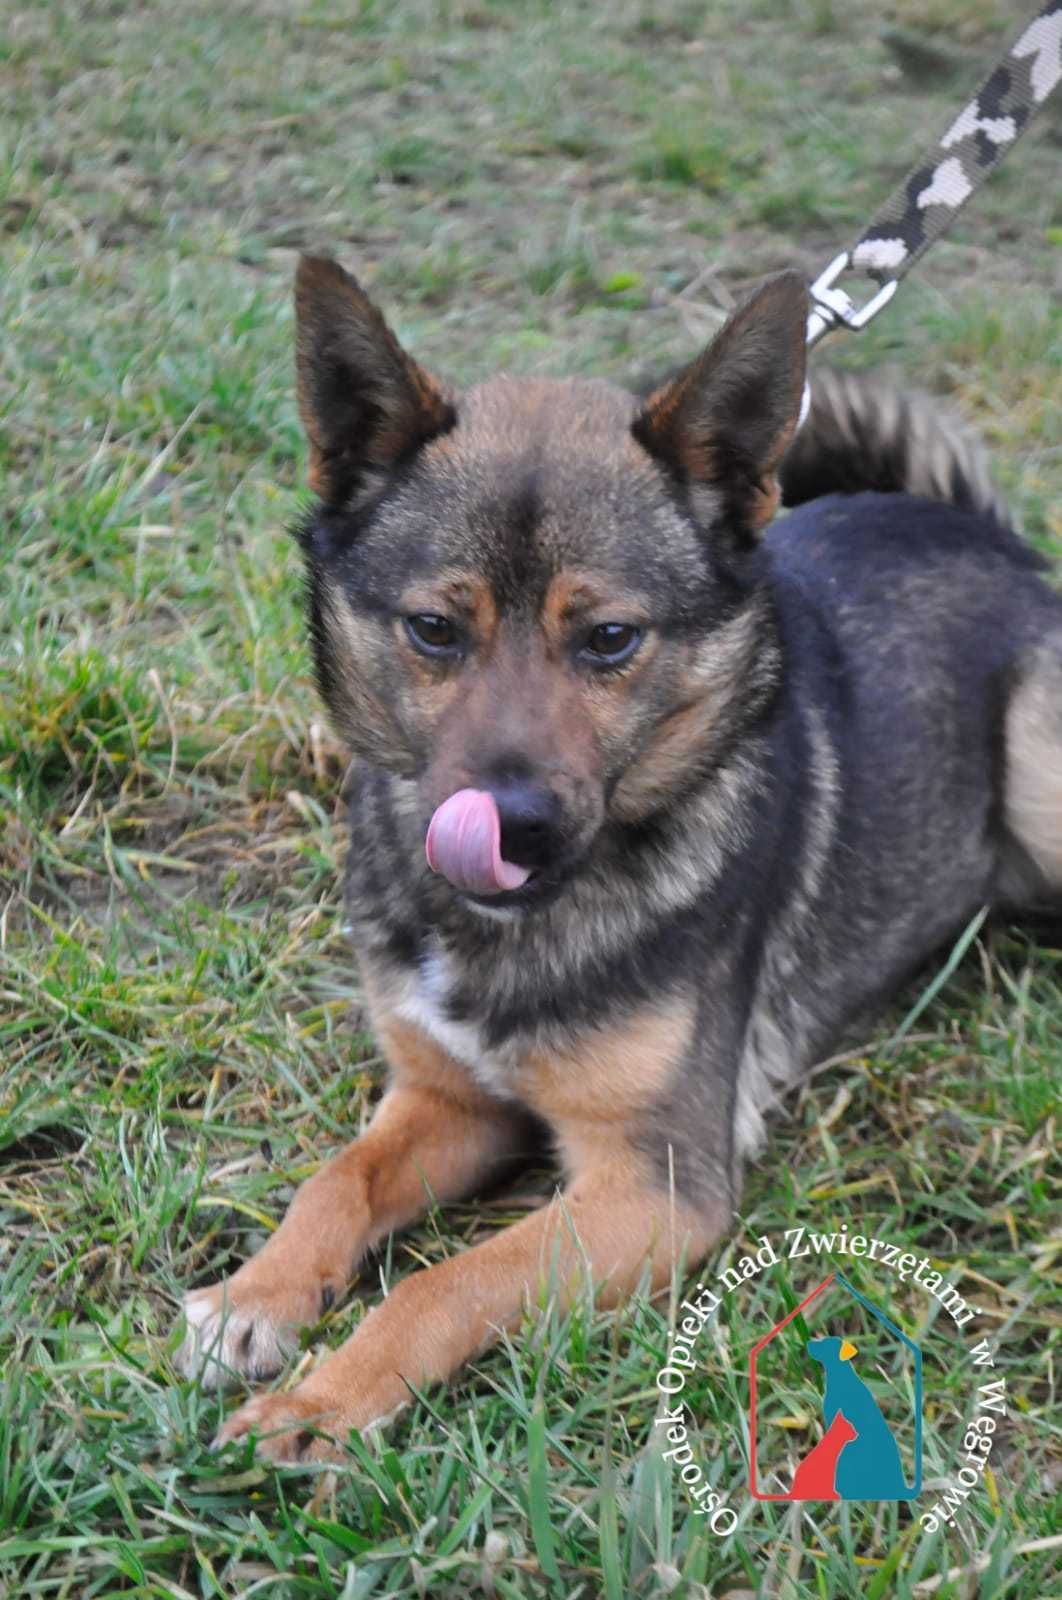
857 1457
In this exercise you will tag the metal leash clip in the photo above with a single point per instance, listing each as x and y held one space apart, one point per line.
831 307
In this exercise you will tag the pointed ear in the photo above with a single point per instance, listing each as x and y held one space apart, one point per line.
364 402
728 418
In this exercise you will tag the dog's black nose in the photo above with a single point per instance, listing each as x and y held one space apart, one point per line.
530 823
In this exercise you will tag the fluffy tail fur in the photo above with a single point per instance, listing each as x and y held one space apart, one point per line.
863 433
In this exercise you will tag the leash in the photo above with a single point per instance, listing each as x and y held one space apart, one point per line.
934 192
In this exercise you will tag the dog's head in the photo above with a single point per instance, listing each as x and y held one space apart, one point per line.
539 599
829 1350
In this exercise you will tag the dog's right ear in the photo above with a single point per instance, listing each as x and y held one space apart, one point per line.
365 404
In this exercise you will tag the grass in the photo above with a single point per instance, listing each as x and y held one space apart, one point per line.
546 187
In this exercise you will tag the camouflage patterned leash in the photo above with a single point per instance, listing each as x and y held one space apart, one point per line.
934 192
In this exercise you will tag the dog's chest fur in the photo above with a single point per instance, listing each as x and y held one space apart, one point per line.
424 997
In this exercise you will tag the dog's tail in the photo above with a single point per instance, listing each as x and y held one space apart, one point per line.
862 432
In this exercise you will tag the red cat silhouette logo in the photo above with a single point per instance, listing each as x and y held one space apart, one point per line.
858 1454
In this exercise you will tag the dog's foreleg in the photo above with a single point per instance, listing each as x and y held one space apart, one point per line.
434 1137
610 1226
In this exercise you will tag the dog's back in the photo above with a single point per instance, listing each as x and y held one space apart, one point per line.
903 602
903 621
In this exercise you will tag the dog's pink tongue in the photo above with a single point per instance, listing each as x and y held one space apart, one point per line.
464 845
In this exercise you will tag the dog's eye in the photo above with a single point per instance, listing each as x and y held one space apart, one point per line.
612 642
431 634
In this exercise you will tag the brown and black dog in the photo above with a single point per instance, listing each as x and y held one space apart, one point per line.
652 796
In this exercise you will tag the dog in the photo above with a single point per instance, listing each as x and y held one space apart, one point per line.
653 795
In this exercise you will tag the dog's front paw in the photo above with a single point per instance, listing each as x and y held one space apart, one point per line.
246 1327
312 1422
302 1425
292 1427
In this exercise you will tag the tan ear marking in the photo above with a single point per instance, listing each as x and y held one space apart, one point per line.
364 402
729 417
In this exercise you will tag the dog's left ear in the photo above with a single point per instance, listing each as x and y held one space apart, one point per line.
365 404
727 420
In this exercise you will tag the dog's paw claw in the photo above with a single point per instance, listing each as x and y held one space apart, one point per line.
227 1339
288 1428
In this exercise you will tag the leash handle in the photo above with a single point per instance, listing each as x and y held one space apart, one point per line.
933 193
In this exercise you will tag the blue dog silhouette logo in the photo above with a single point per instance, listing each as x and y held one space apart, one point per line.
862 1461
857 1456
